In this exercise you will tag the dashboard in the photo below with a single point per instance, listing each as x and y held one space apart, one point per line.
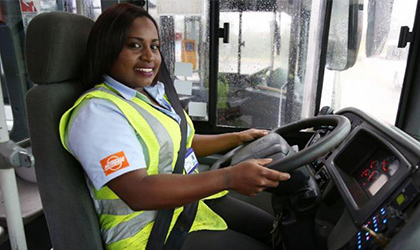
375 172
359 194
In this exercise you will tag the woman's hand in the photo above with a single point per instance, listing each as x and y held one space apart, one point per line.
251 177
141 191
250 135
205 145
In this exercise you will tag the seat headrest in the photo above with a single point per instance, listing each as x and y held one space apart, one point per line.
55 46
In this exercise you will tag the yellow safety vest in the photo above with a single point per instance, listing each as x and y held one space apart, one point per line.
121 227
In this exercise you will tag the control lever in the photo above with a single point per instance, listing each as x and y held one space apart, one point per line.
380 238
326 110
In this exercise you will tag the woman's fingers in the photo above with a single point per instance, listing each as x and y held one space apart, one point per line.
251 176
251 134
270 173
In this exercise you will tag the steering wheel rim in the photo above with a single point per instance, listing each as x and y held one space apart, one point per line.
291 162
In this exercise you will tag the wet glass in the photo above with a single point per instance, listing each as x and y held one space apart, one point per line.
263 76
184 31
375 81
266 72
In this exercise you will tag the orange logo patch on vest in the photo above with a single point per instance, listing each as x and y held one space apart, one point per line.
114 162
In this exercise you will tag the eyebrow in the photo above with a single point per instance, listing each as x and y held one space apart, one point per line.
141 39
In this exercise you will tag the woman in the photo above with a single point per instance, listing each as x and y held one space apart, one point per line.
126 136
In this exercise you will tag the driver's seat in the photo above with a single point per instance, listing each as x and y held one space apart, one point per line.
55 47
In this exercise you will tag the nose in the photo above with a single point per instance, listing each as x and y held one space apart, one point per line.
146 55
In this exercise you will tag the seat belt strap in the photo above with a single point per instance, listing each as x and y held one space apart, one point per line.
164 217
182 226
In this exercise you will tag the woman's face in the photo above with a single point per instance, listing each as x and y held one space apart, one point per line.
139 60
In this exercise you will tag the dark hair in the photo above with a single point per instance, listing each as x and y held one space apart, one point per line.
107 38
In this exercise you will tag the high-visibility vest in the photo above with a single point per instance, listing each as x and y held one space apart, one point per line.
121 227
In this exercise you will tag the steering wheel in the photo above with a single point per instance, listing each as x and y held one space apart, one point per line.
284 158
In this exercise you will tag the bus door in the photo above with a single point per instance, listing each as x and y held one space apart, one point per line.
263 65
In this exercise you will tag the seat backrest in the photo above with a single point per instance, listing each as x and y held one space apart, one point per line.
55 47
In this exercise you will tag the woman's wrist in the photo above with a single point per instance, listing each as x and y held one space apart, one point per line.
227 177
237 139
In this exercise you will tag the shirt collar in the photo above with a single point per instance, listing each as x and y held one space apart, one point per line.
157 91
125 91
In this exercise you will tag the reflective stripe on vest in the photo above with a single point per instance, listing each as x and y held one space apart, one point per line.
161 135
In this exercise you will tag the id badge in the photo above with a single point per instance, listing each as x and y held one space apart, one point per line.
191 161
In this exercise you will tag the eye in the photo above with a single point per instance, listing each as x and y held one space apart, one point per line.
134 45
154 47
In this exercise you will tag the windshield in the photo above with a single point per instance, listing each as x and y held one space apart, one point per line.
375 81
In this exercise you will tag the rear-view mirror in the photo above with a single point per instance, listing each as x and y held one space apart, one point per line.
379 23
345 34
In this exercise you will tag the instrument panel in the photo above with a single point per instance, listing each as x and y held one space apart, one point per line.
375 173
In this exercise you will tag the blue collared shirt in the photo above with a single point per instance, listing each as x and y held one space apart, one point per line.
98 129
157 92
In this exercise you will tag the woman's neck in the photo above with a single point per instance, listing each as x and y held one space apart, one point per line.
151 99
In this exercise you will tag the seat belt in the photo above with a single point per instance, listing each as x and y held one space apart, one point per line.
164 217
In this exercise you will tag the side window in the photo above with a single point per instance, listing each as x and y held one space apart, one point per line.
31 8
369 78
7 108
13 77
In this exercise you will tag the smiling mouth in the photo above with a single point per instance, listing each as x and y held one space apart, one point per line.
144 70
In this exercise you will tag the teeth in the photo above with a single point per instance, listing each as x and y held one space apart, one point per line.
147 70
